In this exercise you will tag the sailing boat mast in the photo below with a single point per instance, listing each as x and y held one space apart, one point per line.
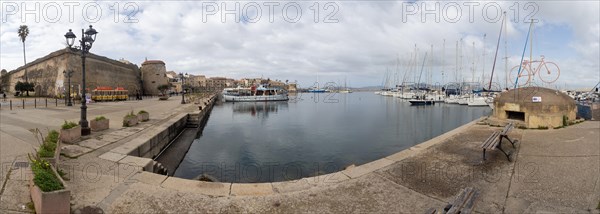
505 54
483 61
495 56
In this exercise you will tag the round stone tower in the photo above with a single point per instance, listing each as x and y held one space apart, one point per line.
536 107
154 73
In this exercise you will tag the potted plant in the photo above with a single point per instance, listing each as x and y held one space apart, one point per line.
70 132
48 190
163 91
47 150
143 116
130 120
99 123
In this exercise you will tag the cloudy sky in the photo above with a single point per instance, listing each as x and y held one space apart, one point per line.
354 41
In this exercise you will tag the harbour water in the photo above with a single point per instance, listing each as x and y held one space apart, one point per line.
313 134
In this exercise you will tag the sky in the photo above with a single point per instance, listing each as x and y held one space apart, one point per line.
359 43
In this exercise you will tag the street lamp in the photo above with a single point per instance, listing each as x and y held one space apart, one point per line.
182 77
87 39
68 75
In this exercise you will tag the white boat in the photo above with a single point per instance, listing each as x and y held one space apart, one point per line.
254 94
452 99
477 101
463 100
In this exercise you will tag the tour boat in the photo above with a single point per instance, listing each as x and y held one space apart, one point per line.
254 94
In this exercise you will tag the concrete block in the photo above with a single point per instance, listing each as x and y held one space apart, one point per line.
93 143
291 186
149 178
145 163
367 168
201 187
251 189
111 156
401 155
327 179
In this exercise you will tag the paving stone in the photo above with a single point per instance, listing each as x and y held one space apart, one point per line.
93 143
111 156
251 189
74 150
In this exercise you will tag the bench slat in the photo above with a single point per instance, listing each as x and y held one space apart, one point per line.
464 202
491 142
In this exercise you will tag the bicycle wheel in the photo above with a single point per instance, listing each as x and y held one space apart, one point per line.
549 72
524 78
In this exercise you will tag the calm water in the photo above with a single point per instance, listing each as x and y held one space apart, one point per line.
313 134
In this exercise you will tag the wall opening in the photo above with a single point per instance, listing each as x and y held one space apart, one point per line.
516 115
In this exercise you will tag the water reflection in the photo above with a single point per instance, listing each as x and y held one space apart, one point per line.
258 109
312 134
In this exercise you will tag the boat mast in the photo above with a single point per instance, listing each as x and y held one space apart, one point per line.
483 61
443 60
496 55
505 53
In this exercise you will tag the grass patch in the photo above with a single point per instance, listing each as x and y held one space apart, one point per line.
44 177
30 205
100 118
48 147
68 125
142 112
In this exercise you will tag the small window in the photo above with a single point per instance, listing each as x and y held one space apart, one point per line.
153 81
515 115
157 74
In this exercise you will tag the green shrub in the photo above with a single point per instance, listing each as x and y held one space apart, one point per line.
127 117
68 125
100 118
142 112
48 147
44 177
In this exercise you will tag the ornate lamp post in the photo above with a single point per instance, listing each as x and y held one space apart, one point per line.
88 38
68 75
182 77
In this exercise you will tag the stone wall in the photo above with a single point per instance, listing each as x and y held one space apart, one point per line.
47 73
154 73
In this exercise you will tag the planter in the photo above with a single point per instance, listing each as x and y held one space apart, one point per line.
99 125
57 201
130 121
163 97
71 135
142 117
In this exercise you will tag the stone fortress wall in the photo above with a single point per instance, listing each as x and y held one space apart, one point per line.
47 74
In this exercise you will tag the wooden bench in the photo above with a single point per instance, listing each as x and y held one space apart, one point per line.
494 141
463 203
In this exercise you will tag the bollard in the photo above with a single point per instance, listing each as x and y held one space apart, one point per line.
34 102
23 103
56 100
10 105
46 102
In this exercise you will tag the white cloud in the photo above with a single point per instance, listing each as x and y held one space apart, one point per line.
366 40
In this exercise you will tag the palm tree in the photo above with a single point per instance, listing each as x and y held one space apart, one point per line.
23 32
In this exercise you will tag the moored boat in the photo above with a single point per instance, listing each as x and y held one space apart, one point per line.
254 94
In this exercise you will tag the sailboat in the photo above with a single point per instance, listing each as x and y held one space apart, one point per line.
346 89
420 100
317 89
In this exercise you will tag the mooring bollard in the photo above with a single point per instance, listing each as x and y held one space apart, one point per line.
10 105
46 102
23 103
34 102
56 100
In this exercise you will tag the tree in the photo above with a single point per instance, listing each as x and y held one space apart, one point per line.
23 32
163 88
24 86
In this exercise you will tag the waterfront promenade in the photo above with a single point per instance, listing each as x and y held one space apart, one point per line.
553 171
